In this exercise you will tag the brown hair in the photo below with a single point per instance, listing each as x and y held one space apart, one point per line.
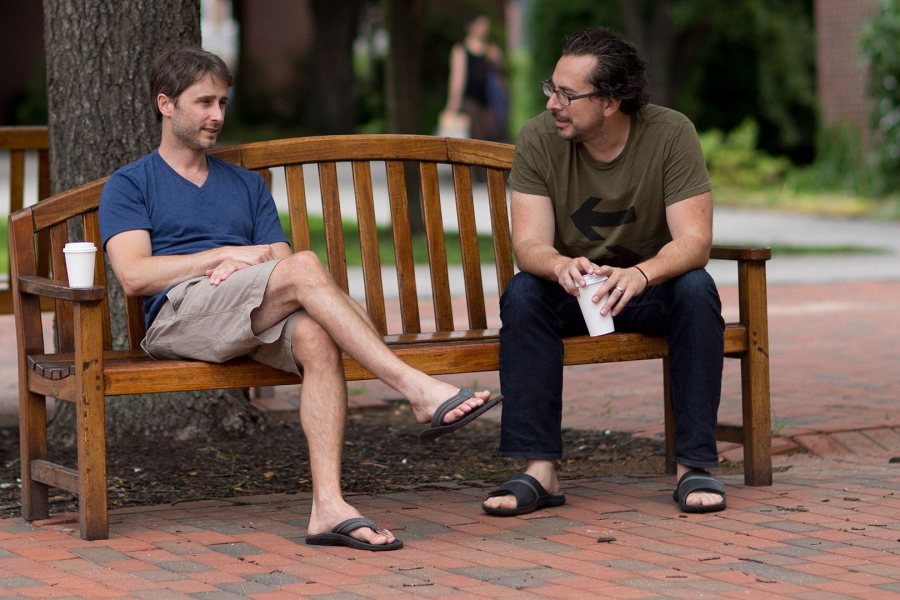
177 70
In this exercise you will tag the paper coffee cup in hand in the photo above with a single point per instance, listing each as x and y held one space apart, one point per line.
597 324
80 263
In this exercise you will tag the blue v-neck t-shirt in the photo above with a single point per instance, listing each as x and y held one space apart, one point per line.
233 207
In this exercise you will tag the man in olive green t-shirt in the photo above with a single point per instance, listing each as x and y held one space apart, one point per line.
605 183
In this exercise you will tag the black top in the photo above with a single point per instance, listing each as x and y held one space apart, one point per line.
477 69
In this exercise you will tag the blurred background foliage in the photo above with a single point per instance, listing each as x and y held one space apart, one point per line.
744 72
880 47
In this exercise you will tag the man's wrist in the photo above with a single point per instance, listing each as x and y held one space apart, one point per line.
646 279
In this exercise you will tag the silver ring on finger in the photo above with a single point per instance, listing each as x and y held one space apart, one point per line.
621 289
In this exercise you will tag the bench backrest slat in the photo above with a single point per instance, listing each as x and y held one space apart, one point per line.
59 236
469 252
368 243
334 228
297 213
437 252
91 228
403 253
503 253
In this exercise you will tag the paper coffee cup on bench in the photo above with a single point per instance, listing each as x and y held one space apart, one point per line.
80 263
597 324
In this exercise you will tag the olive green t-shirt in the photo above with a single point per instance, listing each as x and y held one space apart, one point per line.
613 213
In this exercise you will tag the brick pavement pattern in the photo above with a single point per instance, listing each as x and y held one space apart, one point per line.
829 527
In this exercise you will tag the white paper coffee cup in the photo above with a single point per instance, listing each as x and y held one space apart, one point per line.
597 324
80 263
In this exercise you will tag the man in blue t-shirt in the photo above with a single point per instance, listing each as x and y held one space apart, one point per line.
200 240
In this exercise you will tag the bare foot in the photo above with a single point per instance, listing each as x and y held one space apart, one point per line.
698 498
323 520
423 411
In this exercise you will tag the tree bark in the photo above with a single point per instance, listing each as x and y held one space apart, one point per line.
99 55
331 104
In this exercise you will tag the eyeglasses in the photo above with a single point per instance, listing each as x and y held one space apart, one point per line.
562 97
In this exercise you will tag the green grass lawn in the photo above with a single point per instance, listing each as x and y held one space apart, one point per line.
420 249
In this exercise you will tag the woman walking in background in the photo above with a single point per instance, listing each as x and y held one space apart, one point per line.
476 89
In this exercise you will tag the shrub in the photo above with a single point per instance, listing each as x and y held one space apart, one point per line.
879 47
734 161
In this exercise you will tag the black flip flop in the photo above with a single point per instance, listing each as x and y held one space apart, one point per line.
439 428
339 536
698 480
530 496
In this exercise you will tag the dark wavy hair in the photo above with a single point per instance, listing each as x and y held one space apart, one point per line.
176 70
620 73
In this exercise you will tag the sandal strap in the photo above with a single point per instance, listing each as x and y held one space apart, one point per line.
525 488
345 527
699 481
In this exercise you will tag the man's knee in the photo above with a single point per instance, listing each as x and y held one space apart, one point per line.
310 342
523 292
305 268
696 285
696 294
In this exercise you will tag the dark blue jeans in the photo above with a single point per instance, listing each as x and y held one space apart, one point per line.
536 315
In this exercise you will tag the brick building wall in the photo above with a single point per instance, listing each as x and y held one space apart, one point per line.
841 72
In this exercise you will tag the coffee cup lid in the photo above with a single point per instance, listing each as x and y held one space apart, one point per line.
79 247
592 279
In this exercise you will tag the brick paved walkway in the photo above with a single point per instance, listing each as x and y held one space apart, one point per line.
828 528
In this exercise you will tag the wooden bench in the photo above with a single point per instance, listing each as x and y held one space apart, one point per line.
429 334
18 143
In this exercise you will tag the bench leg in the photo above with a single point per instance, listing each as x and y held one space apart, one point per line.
757 417
755 375
91 426
32 446
669 418
92 497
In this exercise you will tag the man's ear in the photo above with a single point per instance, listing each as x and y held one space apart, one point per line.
612 105
165 104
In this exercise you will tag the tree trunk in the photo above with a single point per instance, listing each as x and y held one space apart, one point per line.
99 55
403 76
331 97
654 35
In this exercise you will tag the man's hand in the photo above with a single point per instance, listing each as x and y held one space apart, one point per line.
622 284
240 257
570 273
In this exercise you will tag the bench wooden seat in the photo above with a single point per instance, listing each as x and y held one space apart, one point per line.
84 368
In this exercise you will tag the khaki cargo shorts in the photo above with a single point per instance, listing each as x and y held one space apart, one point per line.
206 322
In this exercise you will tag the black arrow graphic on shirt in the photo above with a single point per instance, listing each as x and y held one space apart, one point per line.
586 219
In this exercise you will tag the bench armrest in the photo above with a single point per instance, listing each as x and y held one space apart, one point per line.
51 288
740 253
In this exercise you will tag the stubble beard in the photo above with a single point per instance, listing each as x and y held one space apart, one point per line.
194 140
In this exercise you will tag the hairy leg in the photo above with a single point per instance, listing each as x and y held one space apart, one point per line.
323 416
301 282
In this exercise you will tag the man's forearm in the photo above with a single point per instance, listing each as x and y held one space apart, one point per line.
674 259
155 274
539 259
